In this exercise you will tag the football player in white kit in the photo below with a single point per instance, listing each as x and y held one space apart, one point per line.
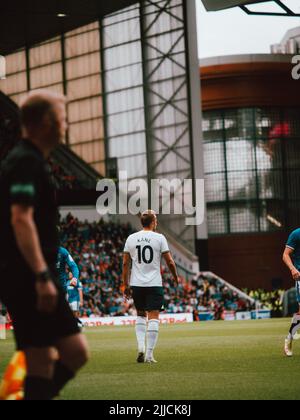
144 251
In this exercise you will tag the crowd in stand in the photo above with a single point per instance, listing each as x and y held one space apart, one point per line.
98 250
202 295
268 300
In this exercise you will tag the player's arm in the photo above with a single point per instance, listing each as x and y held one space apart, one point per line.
73 267
27 237
172 266
287 259
70 281
23 182
26 234
80 292
165 250
125 274
81 297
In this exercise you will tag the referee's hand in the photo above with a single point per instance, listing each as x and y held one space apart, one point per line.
47 297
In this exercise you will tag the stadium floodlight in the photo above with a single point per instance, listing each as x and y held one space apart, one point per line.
264 8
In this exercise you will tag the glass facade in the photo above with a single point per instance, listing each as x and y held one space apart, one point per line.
16 82
84 94
252 167
69 64
126 79
147 98
123 80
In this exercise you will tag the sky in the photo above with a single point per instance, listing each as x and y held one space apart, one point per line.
234 32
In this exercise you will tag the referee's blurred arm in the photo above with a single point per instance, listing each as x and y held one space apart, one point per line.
27 239
287 259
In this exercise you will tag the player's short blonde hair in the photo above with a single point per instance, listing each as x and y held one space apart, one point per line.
147 218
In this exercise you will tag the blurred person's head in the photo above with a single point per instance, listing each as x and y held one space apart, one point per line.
43 119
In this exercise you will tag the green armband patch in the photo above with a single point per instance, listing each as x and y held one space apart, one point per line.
23 189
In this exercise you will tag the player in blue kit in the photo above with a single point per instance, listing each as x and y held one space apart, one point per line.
70 283
65 260
75 297
291 258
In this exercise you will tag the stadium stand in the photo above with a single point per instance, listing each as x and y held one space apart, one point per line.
270 300
98 250
98 247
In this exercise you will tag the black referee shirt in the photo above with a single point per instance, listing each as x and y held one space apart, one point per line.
25 179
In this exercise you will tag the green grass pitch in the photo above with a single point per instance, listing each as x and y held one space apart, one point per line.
214 360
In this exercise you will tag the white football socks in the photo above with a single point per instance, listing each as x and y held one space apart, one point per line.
141 329
294 327
152 337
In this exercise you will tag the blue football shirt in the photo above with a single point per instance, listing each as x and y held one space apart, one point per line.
65 260
294 243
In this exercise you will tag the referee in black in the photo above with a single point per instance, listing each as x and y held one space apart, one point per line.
44 326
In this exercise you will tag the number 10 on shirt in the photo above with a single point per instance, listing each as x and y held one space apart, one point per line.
144 256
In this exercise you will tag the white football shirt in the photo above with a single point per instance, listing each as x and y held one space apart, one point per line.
146 249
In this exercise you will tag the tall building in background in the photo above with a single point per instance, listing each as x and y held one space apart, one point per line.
290 44
251 128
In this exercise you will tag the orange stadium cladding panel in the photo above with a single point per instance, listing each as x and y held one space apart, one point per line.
248 84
